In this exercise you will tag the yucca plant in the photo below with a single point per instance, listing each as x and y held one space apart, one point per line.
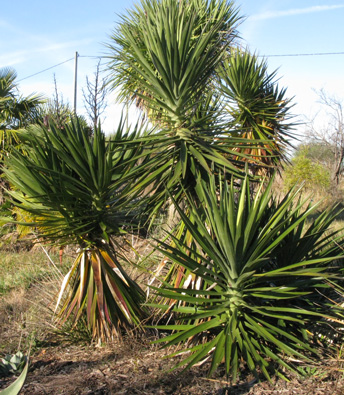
164 55
256 107
266 282
78 191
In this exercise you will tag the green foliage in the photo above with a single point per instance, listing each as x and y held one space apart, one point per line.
165 55
313 371
261 267
60 114
318 152
12 364
15 111
256 106
5 211
17 385
305 169
56 111
74 186
169 56
78 190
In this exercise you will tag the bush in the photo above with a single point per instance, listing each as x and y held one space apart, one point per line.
304 169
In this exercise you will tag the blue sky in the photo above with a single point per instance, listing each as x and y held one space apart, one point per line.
39 34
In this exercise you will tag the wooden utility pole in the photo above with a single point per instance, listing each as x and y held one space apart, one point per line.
75 80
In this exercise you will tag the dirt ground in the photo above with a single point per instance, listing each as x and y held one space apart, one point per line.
137 368
65 365
132 366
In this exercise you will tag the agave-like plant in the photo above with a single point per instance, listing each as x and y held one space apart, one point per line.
256 107
16 363
77 189
264 265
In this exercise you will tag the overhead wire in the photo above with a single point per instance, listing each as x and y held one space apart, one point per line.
303 54
263 56
42 71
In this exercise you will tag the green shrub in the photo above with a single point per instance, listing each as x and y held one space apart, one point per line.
304 169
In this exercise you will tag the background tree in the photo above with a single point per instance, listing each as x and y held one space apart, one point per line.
317 152
331 135
95 97
16 111
305 167
59 112
56 110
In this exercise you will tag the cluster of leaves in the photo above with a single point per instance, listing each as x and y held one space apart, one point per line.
256 107
165 53
73 185
164 57
15 111
176 61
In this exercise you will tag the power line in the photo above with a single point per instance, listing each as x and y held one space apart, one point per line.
262 56
303 54
266 56
92 56
42 71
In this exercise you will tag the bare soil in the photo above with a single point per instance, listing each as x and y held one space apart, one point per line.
134 366
139 369
60 364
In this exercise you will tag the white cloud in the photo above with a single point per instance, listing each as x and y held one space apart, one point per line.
294 11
